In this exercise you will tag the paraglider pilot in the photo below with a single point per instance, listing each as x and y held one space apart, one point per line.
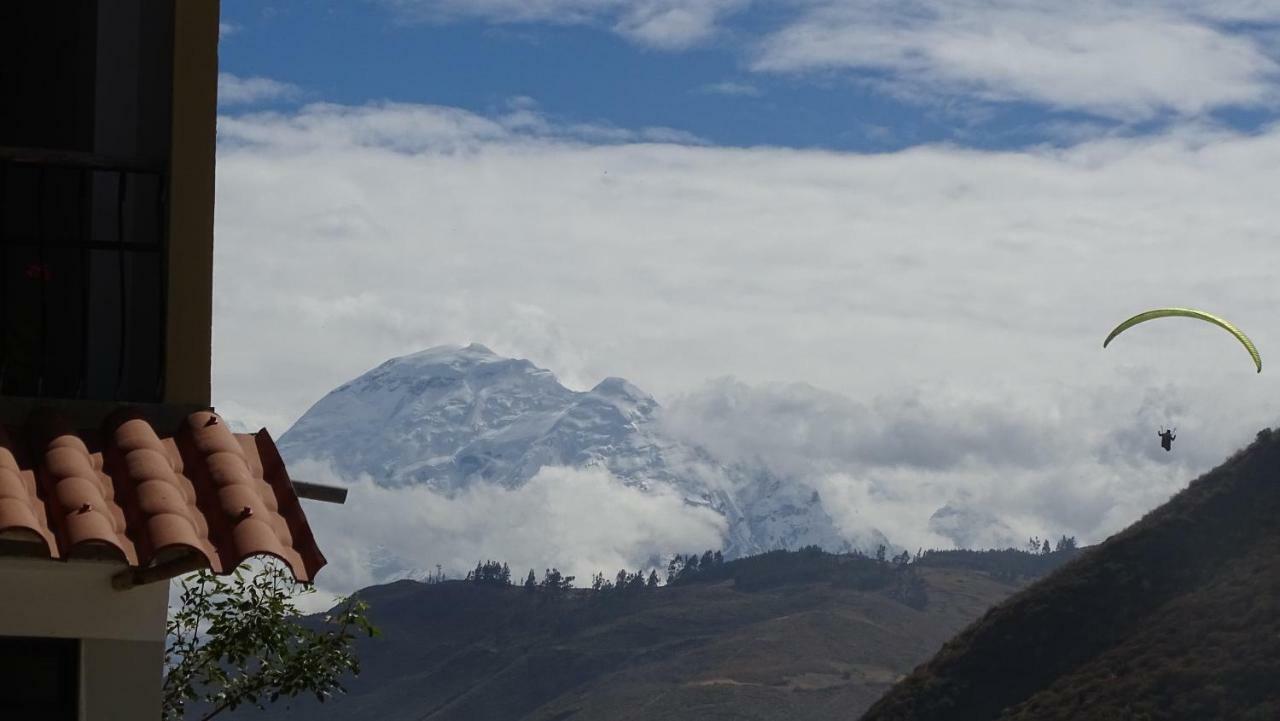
1166 439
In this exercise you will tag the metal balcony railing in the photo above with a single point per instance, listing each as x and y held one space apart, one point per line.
83 254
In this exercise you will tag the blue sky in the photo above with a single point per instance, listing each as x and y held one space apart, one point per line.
837 74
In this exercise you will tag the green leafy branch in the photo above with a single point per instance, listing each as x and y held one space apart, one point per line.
240 640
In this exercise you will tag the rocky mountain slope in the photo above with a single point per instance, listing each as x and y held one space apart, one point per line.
1176 617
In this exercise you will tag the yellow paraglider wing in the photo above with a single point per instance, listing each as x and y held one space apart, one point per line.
1189 313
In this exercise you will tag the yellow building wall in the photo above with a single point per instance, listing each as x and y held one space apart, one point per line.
191 186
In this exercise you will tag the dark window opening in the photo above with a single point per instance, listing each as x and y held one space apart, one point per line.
84 134
39 679
81 281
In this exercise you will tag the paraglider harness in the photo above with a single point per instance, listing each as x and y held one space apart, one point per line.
1166 438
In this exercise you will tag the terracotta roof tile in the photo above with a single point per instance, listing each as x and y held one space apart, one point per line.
21 510
146 497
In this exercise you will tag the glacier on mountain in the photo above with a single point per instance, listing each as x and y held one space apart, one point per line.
449 417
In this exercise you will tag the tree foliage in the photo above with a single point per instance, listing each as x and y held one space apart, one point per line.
239 640
1009 564
684 568
554 583
490 573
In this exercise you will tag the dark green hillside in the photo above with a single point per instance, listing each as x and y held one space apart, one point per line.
1177 617
804 635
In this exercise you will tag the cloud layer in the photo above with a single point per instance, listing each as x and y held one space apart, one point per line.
348 235
942 468
952 301
662 24
234 90
409 128
1128 60
1131 60
578 521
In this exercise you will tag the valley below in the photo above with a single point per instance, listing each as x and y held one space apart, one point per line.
783 635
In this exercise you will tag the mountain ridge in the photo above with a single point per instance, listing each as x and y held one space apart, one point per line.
802 636
1181 608
452 416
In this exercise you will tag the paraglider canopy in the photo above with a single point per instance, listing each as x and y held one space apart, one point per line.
1189 313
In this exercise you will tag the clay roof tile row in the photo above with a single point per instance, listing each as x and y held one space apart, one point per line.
149 497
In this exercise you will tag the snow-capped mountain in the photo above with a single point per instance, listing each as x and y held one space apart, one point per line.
449 417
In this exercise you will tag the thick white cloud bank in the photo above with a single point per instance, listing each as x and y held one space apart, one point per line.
346 236
936 468
952 302
580 521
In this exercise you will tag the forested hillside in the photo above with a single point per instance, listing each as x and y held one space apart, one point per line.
1177 617
782 635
